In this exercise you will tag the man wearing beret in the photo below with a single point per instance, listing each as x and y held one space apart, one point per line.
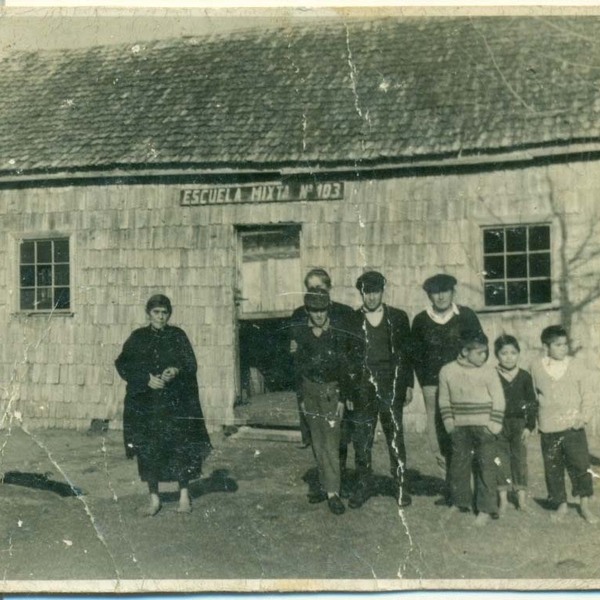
321 362
436 335
385 385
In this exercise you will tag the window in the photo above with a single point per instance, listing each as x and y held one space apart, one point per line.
517 265
44 275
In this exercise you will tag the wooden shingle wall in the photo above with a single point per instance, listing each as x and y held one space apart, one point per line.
129 242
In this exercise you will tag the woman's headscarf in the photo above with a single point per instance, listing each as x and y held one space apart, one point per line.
159 300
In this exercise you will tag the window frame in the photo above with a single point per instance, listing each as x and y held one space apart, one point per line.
16 262
552 303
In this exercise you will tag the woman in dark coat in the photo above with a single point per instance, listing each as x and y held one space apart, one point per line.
162 420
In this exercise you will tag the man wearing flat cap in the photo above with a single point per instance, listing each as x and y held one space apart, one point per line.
321 363
436 338
319 279
385 387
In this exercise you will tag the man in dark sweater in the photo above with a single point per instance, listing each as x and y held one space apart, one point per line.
321 362
385 386
436 342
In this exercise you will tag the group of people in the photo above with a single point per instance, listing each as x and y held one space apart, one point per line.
355 367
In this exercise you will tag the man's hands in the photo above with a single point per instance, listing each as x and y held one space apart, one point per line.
409 396
169 374
155 382
158 382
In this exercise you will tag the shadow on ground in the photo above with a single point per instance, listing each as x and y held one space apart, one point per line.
418 484
40 481
218 481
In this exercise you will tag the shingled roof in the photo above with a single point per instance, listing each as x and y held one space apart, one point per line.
371 92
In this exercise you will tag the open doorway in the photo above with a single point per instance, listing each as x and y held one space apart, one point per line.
268 290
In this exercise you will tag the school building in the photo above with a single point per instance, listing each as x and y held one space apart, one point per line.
218 170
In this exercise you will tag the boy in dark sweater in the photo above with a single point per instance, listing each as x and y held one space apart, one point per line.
321 364
472 409
519 421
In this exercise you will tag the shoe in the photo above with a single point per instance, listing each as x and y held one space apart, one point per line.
345 489
316 497
304 446
359 497
495 516
404 500
336 506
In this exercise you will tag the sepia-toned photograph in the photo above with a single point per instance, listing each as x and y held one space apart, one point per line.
299 299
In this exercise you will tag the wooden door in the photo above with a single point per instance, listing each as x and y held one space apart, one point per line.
269 271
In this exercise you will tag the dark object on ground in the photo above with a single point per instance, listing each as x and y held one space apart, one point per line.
547 504
316 497
424 485
336 506
40 481
360 496
230 429
405 501
218 481
98 426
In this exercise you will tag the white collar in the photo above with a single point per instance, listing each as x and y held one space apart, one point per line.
374 316
443 318
555 368
379 309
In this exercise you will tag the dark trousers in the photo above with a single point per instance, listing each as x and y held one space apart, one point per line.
566 450
321 402
345 438
512 451
444 439
304 428
474 444
379 400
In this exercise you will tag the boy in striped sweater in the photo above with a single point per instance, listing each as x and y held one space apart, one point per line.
472 408
566 397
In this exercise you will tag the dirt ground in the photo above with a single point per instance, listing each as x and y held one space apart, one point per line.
251 519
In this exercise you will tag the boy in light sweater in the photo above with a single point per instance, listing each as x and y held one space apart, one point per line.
472 408
565 396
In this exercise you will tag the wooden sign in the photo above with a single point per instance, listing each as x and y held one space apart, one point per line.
267 192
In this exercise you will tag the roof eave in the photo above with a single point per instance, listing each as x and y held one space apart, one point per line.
275 171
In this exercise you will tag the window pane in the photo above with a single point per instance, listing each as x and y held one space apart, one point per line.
61 275
44 275
516 265
494 267
541 291
44 252
539 237
27 299
517 292
516 239
27 252
61 251
279 243
28 276
44 299
493 240
62 298
494 294
539 265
